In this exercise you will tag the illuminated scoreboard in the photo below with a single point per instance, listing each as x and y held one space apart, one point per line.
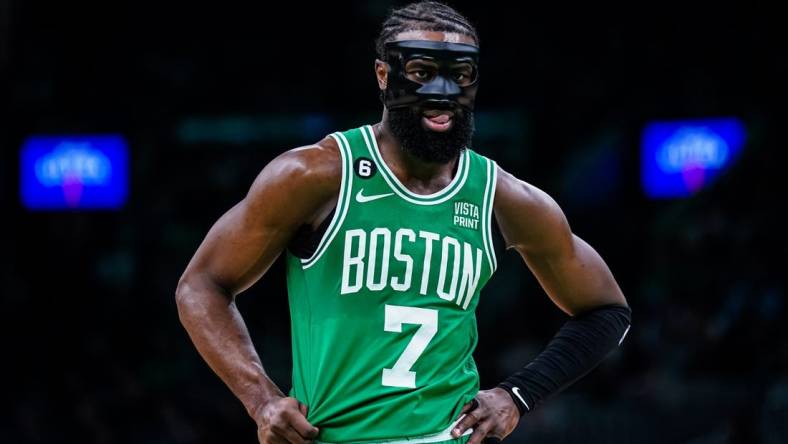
680 158
74 172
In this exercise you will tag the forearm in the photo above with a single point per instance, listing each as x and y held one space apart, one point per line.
581 343
219 333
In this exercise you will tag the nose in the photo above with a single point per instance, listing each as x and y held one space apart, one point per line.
440 88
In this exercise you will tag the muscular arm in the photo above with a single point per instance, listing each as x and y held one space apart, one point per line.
574 275
577 280
294 189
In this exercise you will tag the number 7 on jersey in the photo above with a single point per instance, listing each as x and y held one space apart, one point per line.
400 375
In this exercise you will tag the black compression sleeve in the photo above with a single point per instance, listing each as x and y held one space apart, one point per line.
580 344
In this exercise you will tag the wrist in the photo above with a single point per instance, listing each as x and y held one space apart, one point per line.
265 395
256 410
507 398
516 395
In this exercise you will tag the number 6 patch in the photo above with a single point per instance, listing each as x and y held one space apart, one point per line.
364 167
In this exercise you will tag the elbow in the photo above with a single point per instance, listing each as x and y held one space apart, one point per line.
181 292
196 296
186 298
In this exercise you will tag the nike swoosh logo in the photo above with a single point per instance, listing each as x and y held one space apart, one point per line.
624 335
516 391
361 198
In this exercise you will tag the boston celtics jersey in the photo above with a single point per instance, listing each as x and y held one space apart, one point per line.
383 321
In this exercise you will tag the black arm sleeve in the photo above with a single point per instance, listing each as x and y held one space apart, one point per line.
580 344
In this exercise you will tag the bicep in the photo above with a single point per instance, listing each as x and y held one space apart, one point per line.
248 238
571 272
239 248
576 278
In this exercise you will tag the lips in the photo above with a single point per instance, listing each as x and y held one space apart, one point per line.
432 113
438 120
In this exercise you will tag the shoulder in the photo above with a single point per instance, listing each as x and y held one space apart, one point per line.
319 163
296 183
526 214
316 167
511 190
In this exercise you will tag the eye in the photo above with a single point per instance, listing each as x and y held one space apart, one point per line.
463 78
420 71
420 74
462 74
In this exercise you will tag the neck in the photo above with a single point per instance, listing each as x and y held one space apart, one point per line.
411 170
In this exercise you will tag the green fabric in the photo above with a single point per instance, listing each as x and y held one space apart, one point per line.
382 349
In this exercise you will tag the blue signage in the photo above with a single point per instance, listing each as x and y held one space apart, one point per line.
679 158
74 172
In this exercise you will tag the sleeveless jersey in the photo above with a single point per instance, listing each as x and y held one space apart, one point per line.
383 322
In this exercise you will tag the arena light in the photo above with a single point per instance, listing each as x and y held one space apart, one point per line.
74 172
679 158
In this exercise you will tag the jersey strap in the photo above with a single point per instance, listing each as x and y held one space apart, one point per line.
343 201
487 209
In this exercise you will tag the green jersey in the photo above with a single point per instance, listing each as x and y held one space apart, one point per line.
383 312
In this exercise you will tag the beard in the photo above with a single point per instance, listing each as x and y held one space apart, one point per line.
427 145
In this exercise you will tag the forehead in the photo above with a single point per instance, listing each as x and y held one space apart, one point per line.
437 36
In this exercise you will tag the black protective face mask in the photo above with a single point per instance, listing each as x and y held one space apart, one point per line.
442 90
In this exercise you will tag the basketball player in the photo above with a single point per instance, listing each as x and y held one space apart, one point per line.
386 229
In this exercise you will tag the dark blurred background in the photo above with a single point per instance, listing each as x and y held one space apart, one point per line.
206 94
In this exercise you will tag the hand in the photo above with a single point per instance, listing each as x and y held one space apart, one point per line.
492 415
283 421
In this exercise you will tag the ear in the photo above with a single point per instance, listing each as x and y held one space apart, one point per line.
381 72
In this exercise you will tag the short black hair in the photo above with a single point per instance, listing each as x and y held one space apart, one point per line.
423 16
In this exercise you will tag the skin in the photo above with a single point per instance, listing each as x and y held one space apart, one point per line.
245 241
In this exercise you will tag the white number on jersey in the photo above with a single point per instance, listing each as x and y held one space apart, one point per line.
400 375
365 168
